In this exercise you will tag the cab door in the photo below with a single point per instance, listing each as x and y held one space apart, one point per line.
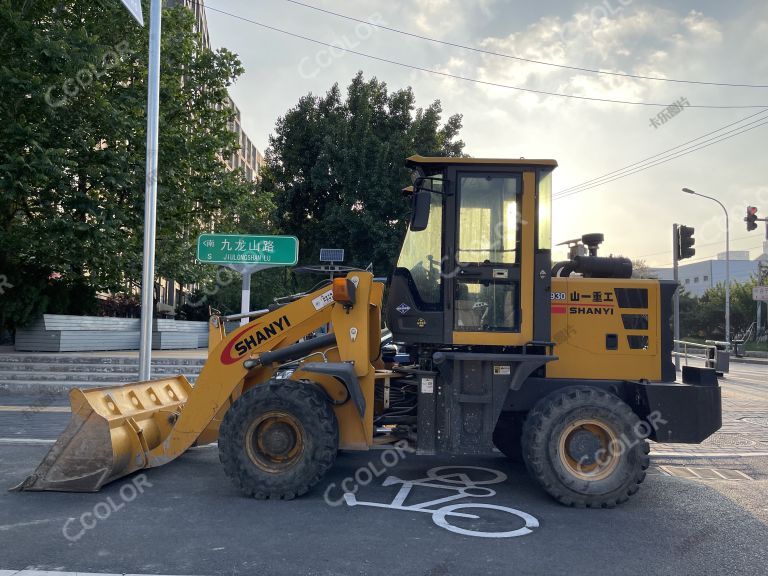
492 245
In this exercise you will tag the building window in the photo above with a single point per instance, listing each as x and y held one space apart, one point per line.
706 278
687 280
696 280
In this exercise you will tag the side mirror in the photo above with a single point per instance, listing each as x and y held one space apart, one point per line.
420 209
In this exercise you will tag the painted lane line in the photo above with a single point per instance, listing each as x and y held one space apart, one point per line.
708 454
33 409
26 441
6 527
29 572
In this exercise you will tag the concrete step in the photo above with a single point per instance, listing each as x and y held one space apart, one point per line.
30 376
60 359
49 367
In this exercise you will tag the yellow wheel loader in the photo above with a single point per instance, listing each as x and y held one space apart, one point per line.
566 367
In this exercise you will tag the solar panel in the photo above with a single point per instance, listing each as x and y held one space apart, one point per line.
331 255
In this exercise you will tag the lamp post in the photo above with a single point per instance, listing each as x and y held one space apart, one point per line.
727 266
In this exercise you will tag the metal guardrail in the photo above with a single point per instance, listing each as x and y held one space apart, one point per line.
714 355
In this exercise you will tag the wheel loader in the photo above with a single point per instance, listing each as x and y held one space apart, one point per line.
566 367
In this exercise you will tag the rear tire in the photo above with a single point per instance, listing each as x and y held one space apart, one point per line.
278 439
582 445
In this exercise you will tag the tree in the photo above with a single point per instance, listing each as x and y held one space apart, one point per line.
335 167
704 317
72 149
640 269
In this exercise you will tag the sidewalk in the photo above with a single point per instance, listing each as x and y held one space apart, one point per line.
744 433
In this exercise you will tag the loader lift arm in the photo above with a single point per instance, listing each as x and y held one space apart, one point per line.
118 430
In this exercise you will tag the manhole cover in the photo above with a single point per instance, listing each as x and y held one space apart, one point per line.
703 473
729 440
759 420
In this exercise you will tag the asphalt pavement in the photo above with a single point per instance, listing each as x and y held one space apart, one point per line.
409 514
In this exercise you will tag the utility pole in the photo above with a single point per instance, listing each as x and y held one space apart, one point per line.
676 314
150 192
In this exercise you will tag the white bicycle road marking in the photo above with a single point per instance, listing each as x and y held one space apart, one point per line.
459 480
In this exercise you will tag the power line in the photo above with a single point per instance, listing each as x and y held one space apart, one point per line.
521 59
704 259
661 161
468 79
701 245
634 164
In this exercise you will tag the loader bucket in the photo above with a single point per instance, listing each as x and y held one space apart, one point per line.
110 435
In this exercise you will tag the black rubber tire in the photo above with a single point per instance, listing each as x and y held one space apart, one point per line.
307 403
508 433
541 433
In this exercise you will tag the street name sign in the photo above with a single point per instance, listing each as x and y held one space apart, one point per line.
760 293
229 249
134 7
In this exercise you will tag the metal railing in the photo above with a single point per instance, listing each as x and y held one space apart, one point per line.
712 355
692 350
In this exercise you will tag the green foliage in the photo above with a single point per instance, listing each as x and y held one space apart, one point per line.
705 317
335 167
72 149
225 291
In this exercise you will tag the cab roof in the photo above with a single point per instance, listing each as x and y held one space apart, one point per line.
433 162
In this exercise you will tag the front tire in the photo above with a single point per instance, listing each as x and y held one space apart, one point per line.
278 439
582 445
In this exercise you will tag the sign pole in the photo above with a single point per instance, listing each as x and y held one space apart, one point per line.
245 301
675 244
150 193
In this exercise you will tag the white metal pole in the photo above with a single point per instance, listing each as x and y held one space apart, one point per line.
245 301
150 194
727 277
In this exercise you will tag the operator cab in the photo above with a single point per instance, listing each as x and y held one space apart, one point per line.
476 258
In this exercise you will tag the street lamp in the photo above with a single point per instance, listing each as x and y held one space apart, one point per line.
727 266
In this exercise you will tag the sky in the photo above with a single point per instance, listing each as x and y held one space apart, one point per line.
719 42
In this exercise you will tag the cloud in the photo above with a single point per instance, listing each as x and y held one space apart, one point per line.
714 42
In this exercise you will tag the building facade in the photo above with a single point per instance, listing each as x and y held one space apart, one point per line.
698 277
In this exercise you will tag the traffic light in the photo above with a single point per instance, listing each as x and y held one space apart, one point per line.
751 218
685 242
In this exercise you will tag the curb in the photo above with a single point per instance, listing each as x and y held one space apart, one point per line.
749 360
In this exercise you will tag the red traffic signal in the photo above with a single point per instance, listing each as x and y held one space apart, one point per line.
751 218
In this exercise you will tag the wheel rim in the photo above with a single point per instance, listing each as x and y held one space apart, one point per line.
274 441
589 449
